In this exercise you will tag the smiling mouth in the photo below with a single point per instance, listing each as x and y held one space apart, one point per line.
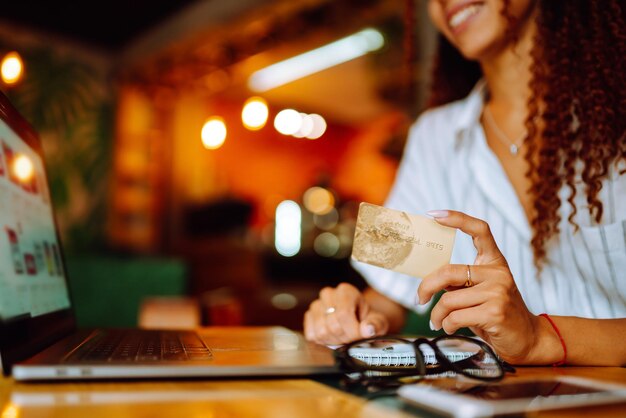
460 16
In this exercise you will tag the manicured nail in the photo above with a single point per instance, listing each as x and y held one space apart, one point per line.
417 300
438 213
370 331
432 327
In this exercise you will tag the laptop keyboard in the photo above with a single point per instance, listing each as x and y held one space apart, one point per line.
142 346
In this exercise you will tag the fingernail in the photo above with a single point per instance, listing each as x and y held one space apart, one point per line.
438 213
417 300
432 327
370 331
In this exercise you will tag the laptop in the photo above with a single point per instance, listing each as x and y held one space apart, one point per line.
38 335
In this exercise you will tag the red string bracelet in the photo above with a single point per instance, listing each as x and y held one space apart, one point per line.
556 329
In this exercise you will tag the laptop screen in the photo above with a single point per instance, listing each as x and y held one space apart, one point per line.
34 298
32 281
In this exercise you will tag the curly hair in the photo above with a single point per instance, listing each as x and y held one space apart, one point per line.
576 120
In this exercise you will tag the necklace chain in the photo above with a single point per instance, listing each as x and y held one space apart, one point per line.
502 137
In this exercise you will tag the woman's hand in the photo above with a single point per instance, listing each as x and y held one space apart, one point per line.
492 307
341 315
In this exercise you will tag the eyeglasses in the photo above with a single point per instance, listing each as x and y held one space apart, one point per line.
396 358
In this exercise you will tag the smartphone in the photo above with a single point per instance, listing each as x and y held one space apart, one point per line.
462 398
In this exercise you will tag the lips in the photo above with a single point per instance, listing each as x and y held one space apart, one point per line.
461 13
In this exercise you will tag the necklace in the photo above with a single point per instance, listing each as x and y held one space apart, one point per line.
513 146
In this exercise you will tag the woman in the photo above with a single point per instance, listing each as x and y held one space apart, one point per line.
525 140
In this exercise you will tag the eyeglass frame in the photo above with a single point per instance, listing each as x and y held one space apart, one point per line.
349 365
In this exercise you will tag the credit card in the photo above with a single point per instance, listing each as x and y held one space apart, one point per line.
402 242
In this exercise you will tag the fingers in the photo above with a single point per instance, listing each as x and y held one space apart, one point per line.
454 275
343 322
492 286
373 324
492 298
351 319
489 317
456 301
488 251
469 317
333 328
340 326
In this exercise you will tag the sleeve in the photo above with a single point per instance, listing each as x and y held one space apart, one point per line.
419 186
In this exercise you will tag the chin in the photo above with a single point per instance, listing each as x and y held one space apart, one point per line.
475 49
474 27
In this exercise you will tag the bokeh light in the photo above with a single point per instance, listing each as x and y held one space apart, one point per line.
284 301
326 221
23 168
316 60
319 126
288 232
326 244
11 68
254 114
213 133
11 411
318 200
288 121
306 127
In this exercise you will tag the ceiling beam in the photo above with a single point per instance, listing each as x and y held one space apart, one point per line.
196 18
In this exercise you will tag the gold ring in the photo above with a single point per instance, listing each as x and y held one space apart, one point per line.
469 282
330 310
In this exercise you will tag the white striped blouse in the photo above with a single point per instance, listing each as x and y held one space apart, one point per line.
447 164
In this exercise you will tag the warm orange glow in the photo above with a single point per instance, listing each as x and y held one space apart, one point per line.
213 133
10 411
318 200
254 113
23 168
269 204
11 68
267 168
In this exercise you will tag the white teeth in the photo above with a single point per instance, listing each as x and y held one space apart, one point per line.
462 15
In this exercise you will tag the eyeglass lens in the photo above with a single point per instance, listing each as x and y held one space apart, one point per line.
470 357
398 355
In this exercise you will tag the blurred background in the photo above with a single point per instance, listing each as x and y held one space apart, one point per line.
207 157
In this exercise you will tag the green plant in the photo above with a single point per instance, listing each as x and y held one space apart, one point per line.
67 101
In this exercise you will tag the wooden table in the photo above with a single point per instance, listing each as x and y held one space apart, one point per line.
275 398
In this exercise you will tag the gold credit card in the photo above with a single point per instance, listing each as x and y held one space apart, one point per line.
398 241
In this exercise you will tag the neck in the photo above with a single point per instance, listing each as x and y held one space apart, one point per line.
507 73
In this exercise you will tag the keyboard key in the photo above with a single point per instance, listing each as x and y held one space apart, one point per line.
142 346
